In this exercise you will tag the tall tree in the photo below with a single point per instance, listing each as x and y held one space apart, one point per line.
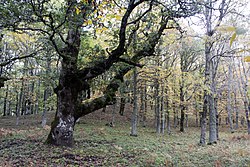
134 119
68 18
189 56
210 8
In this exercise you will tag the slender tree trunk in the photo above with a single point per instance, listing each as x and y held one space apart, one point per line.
46 93
196 114
175 115
145 106
9 107
168 123
217 117
229 99
157 107
32 89
112 123
5 101
186 118
163 114
168 113
37 96
182 101
122 105
45 108
141 104
135 108
236 111
246 98
248 119
242 121
19 104
31 101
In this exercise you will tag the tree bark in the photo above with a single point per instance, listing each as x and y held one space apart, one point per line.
175 115
168 113
162 111
203 120
18 111
72 80
217 117
5 101
37 96
67 95
182 107
45 108
212 117
236 111
144 117
157 107
229 99
122 105
135 106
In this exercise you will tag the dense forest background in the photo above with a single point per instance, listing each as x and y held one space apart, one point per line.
172 66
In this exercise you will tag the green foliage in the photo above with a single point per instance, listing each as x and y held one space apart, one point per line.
91 51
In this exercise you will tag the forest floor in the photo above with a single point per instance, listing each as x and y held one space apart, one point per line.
99 145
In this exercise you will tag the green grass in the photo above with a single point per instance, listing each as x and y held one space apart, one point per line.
100 145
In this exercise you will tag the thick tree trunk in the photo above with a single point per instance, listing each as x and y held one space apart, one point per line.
203 120
63 125
67 95
212 121
72 80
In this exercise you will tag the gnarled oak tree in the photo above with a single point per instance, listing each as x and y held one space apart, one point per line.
62 25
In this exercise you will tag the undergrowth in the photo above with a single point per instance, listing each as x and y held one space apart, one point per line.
99 145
